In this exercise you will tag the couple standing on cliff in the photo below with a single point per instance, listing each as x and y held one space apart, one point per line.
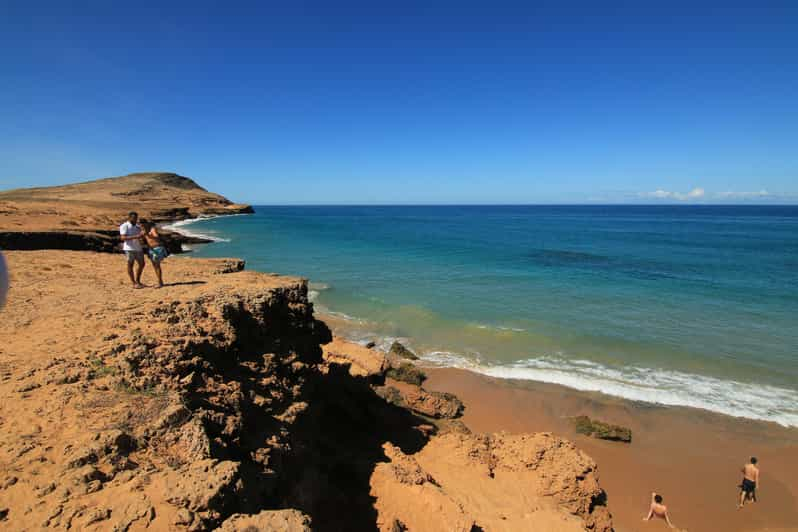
134 239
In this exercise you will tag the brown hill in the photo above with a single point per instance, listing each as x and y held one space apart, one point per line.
86 215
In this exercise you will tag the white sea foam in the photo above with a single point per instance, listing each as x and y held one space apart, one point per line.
498 327
314 289
666 387
180 227
340 315
658 386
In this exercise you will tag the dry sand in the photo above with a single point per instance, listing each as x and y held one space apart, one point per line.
691 456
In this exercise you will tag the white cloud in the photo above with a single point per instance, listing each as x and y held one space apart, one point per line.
695 194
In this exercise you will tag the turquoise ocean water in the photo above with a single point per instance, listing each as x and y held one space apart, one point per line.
680 305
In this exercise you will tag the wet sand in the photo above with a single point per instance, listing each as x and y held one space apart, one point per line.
692 457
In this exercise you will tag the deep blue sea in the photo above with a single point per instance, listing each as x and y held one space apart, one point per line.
679 305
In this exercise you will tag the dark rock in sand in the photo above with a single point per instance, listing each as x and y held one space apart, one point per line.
439 405
408 373
401 351
604 431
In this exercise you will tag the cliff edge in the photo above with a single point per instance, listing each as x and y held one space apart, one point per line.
221 401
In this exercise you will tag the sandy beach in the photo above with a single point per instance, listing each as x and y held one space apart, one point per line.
692 457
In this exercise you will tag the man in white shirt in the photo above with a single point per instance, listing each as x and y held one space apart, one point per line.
3 281
131 234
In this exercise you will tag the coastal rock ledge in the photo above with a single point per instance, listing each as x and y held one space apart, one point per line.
86 216
215 403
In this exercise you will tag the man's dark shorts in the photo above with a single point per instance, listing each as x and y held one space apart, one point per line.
748 486
135 256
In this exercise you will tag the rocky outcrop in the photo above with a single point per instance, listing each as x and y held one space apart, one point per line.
268 520
73 240
438 405
399 350
407 372
362 361
538 482
207 490
86 216
221 401
603 431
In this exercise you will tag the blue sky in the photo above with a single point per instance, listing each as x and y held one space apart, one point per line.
401 102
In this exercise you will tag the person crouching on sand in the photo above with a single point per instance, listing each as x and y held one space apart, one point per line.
157 251
130 233
657 509
750 483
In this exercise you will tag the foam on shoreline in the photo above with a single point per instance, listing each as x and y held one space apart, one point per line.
180 227
649 385
657 386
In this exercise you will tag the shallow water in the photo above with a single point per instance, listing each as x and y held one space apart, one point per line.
691 305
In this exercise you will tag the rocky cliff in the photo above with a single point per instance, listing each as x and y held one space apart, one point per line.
221 401
86 216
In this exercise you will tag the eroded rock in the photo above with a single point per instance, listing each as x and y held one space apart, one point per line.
439 405
398 349
362 362
457 481
408 373
206 488
603 431
268 520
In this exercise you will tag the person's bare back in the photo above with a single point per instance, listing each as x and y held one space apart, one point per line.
750 483
657 509
751 472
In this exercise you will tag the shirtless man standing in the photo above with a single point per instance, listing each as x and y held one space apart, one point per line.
750 482
657 509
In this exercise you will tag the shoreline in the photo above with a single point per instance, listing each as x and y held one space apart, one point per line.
176 225
342 326
691 456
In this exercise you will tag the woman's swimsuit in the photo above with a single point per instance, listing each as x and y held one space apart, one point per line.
158 253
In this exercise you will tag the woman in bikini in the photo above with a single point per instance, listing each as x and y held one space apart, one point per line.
157 251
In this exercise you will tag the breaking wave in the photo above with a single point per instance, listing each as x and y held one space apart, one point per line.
659 386
180 227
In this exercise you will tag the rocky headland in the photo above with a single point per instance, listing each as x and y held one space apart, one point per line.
222 401
86 216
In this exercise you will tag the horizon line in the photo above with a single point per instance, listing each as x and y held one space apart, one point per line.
591 204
